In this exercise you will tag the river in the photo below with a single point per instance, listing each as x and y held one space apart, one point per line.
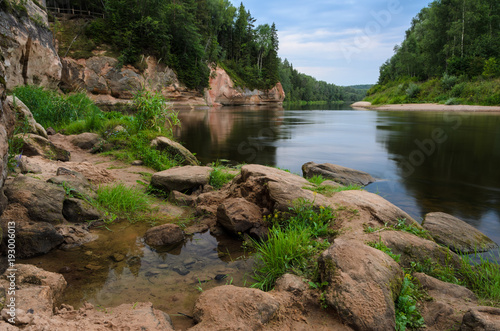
423 161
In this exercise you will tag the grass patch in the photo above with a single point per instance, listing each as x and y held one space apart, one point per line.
382 247
401 225
328 190
124 202
292 243
483 278
220 176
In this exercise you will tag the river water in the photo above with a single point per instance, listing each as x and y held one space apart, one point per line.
423 161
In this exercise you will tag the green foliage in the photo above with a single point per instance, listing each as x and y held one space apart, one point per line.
52 109
491 68
152 112
412 91
448 81
292 242
220 176
402 225
407 314
328 190
382 247
482 276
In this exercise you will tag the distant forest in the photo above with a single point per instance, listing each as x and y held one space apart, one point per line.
191 35
456 37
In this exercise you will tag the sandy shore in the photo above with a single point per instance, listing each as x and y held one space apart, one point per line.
426 107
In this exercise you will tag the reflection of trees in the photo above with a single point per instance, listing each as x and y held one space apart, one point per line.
460 175
241 135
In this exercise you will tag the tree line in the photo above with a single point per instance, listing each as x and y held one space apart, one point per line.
301 87
187 35
456 37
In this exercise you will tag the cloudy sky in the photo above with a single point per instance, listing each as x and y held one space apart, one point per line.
339 41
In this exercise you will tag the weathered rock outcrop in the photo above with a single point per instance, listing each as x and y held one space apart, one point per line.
100 76
224 92
342 175
363 284
238 215
28 49
175 150
454 233
37 145
481 318
25 117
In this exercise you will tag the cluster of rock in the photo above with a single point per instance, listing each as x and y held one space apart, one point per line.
363 282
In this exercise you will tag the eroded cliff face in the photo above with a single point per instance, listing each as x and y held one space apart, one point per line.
107 83
27 48
223 92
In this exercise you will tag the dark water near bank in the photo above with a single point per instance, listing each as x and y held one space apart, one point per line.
424 161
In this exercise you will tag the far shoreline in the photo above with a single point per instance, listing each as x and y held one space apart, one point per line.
362 105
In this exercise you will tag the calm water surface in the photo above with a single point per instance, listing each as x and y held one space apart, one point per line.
424 161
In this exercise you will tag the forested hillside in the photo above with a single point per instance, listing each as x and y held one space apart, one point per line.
456 41
187 35
301 87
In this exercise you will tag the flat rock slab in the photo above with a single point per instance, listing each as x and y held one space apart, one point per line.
363 283
481 318
182 179
174 148
454 233
342 175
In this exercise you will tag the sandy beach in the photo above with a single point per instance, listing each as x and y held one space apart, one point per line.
426 107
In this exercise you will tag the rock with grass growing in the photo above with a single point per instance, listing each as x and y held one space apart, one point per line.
34 145
342 175
164 235
238 215
234 308
75 185
25 120
182 179
454 233
78 210
174 149
363 284
43 201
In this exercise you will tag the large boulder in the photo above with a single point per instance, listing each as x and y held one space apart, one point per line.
34 145
164 235
33 239
27 166
27 46
25 119
78 210
44 201
454 233
363 284
238 215
182 179
342 175
449 303
174 149
74 183
86 140
234 308
416 249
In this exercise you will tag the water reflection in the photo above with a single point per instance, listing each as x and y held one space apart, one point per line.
447 162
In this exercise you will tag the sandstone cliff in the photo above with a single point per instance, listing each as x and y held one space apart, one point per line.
223 92
27 48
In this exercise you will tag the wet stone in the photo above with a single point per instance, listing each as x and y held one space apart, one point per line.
181 270
189 261
163 266
117 257
93 267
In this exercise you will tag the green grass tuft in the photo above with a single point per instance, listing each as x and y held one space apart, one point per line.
220 177
125 202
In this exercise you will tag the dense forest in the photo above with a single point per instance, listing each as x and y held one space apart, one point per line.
190 35
453 46
301 87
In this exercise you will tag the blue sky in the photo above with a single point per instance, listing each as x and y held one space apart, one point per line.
339 41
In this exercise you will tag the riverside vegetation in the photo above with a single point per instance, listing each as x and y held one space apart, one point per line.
449 56
295 237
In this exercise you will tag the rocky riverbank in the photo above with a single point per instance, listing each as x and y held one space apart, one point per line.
361 284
